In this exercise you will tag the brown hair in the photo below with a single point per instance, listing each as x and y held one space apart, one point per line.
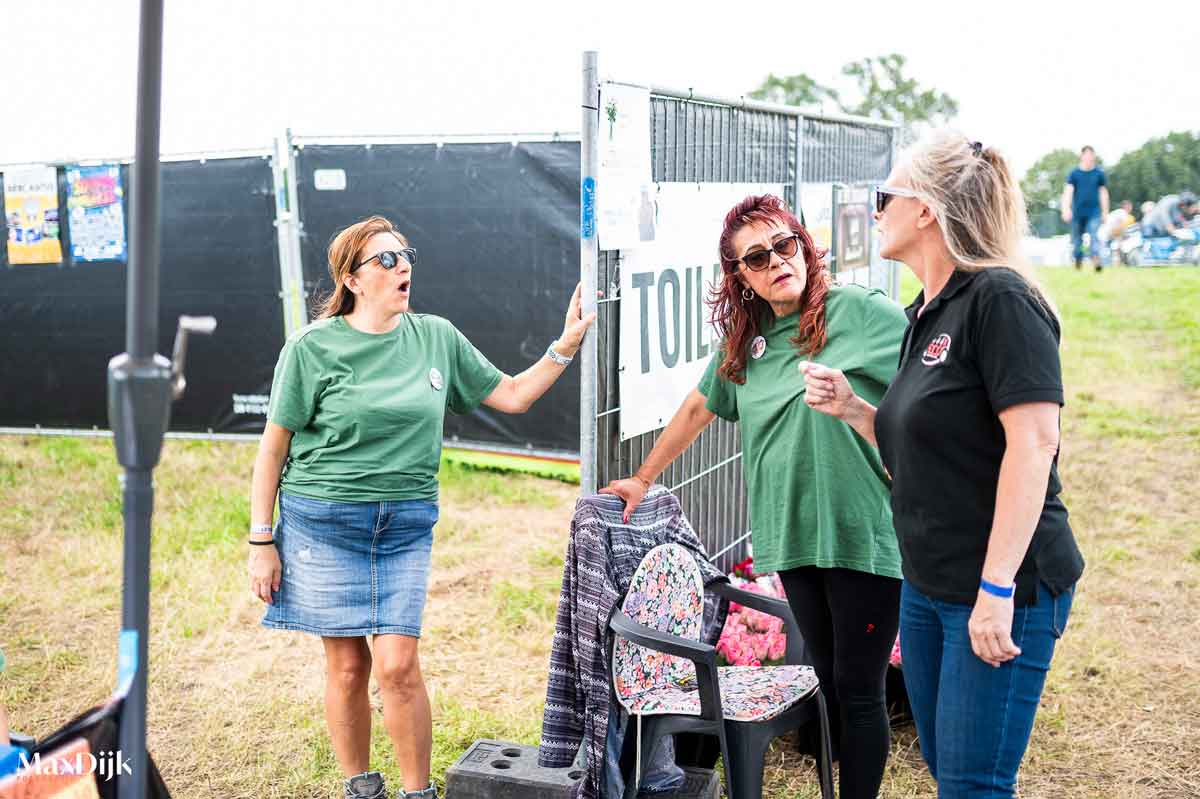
738 320
345 250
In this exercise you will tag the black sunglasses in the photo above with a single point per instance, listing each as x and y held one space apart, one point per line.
760 259
884 195
389 258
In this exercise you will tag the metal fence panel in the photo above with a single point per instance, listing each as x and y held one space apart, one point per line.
842 151
704 139
707 143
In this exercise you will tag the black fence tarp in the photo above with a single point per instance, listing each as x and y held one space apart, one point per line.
60 323
496 226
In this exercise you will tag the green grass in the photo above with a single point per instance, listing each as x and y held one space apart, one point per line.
525 606
512 464
470 484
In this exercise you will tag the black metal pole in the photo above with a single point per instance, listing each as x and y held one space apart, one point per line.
141 314
139 403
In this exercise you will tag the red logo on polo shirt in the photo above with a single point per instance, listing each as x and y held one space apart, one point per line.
937 351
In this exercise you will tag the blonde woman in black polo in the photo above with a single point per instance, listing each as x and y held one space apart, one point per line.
969 430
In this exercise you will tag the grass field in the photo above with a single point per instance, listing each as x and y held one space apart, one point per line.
235 710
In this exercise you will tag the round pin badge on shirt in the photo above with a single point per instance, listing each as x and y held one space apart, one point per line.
435 379
758 347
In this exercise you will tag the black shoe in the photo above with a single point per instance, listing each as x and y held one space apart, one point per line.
368 785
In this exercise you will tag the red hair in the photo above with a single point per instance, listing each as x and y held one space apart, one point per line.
738 320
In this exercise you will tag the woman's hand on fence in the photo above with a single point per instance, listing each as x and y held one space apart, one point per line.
265 570
576 323
631 489
827 390
990 629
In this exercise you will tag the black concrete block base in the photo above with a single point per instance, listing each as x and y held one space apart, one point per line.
500 770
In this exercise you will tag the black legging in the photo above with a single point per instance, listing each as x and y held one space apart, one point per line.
849 621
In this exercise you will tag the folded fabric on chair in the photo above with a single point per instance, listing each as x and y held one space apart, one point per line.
602 555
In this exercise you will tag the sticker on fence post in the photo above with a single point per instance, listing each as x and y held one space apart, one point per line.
666 339
587 208
127 660
625 205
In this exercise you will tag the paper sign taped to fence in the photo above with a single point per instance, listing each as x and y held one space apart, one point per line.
816 200
666 338
94 207
624 205
329 179
31 208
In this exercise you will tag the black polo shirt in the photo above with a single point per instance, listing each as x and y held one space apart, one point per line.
985 343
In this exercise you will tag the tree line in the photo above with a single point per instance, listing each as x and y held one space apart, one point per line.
879 88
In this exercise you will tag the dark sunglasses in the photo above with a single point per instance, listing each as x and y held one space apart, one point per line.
389 258
884 195
760 259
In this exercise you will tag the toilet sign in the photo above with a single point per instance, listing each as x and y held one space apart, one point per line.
666 338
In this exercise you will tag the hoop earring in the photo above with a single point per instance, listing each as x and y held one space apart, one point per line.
747 294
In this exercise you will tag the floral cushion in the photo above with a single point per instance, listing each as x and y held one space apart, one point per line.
748 693
666 593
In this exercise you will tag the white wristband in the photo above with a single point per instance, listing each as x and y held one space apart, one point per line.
262 528
562 360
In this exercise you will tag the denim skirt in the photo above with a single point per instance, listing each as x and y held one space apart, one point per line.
352 568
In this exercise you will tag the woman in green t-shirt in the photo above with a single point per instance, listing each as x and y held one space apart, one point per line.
351 448
818 494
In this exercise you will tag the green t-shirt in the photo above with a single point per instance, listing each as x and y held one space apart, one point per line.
818 492
367 409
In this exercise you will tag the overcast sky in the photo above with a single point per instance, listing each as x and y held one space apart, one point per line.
1029 77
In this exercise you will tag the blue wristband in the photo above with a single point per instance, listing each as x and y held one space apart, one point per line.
1004 592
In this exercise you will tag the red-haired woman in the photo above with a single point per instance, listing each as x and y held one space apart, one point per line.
818 494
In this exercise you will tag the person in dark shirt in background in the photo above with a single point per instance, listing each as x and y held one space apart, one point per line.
1085 205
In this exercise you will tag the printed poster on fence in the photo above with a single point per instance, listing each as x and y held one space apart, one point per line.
31 208
666 338
625 215
94 208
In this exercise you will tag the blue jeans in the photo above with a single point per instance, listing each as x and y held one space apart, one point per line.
974 720
1089 223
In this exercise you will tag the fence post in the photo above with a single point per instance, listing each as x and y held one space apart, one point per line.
894 265
287 236
589 257
798 183
295 229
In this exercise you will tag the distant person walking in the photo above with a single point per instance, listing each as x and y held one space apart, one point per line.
1085 205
